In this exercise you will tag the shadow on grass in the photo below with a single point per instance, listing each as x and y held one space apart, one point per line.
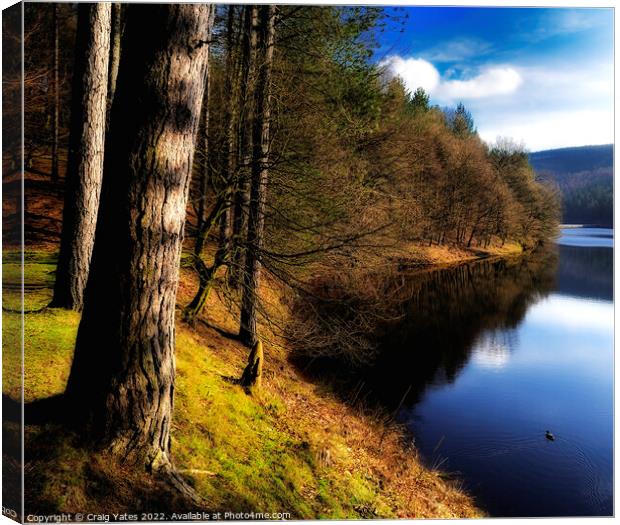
221 331
65 473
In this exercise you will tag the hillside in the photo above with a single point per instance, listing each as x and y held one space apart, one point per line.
240 453
585 177
573 160
238 180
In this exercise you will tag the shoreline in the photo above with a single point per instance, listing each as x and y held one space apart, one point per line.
578 226
436 257
242 453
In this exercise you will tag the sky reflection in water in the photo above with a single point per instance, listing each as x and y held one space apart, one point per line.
553 370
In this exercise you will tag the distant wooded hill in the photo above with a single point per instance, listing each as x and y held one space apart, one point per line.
585 177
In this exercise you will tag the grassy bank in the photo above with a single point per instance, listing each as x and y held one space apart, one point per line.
293 448
442 255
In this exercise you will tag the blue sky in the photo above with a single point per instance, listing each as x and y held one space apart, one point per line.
541 76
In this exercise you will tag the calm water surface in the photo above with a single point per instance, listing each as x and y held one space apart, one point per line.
492 355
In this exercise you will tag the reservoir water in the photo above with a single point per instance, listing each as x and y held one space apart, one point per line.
490 356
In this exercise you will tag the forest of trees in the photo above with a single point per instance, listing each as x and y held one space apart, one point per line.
585 177
252 140
588 198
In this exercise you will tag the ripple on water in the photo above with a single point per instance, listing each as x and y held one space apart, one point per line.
562 464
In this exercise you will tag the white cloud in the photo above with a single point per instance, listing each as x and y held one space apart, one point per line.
560 106
565 22
457 50
570 81
565 104
489 83
540 130
417 72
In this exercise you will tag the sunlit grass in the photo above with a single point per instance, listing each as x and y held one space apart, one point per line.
292 448
239 450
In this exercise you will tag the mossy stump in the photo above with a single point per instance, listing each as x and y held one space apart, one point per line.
252 375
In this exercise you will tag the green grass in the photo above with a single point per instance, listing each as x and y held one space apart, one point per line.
242 453
236 449
49 337
39 274
49 334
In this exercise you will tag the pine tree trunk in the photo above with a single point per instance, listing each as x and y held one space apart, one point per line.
471 237
252 375
85 161
202 225
205 276
229 164
122 376
205 175
205 220
115 55
56 96
258 192
242 190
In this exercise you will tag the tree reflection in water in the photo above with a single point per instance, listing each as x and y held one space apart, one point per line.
443 313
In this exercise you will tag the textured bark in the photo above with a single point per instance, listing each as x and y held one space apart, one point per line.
85 161
55 95
260 172
122 376
205 176
206 274
115 54
252 375
229 164
242 190
203 224
206 220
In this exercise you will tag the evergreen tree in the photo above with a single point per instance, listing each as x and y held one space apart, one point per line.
462 122
122 376
86 147
420 101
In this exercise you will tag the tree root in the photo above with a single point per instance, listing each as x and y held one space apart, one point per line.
157 464
172 478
